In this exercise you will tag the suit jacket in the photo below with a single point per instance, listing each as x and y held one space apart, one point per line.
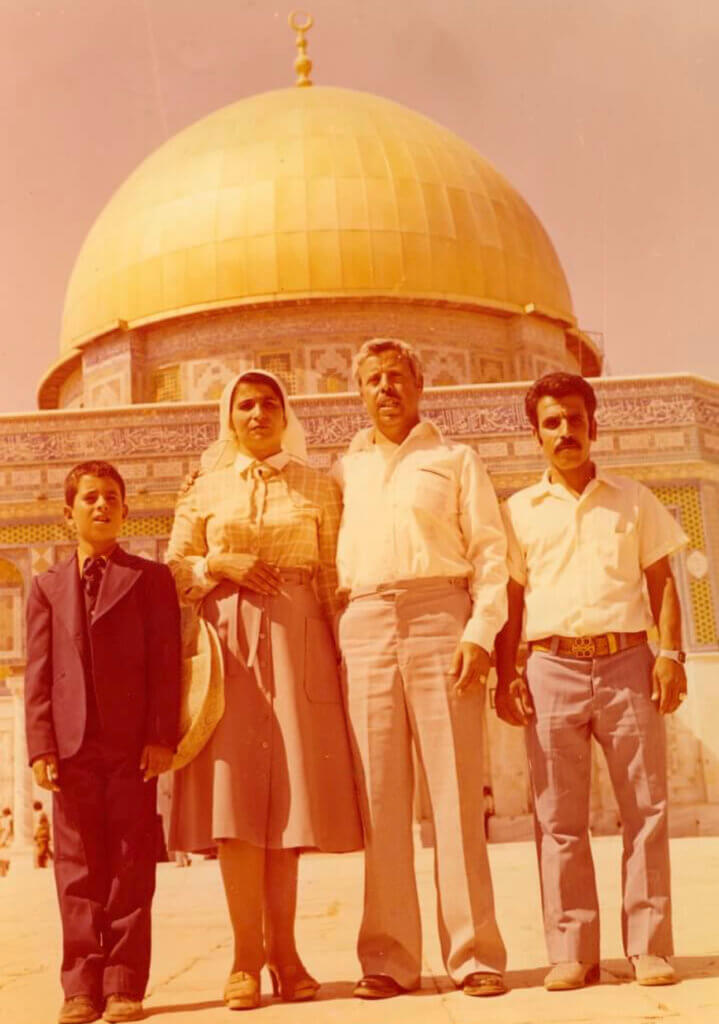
134 650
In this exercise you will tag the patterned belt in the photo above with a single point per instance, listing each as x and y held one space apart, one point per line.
589 646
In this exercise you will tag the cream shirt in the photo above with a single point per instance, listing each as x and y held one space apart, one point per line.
426 508
581 559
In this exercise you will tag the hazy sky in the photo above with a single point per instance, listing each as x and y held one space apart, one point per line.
603 113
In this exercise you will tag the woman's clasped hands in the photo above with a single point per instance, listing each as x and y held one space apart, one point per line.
246 570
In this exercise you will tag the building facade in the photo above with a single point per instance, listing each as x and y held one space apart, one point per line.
282 231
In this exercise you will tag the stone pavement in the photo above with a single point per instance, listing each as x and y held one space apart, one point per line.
192 947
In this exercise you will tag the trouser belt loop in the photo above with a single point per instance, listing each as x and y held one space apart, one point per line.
554 644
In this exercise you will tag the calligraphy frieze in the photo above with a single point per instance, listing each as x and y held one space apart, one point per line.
627 407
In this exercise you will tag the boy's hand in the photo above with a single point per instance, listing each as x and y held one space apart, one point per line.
154 760
46 772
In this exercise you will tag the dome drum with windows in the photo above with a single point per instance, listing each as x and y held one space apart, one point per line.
285 229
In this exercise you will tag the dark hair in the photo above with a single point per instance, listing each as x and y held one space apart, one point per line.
37 805
95 467
559 385
258 377
6 810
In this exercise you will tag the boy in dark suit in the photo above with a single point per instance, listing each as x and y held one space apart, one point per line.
102 692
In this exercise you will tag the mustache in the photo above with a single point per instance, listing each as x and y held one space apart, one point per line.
568 443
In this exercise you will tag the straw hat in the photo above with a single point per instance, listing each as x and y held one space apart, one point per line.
202 701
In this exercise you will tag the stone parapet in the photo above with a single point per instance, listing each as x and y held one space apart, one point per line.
655 427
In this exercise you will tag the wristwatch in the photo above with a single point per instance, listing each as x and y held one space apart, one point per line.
678 656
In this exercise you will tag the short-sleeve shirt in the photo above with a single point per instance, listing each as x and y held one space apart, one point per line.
581 559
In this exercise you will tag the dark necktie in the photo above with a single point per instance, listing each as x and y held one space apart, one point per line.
91 578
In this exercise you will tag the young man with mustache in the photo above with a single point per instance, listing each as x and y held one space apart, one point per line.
582 544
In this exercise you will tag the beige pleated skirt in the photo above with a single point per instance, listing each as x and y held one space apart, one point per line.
277 771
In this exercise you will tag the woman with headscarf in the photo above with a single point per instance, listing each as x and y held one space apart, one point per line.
253 548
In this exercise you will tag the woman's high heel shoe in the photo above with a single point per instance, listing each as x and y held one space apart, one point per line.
242 991
293 983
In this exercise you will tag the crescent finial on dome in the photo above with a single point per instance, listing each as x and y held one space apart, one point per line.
303 64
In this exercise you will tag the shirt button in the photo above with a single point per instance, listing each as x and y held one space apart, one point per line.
265 744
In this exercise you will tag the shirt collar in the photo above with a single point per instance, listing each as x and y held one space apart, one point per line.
544 487
95 558
277 461
364 439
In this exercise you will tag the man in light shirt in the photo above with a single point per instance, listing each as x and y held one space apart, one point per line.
582 544
421 554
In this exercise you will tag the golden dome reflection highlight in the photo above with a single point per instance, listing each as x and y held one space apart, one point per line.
303 193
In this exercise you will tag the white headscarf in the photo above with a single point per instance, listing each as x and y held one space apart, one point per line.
224 450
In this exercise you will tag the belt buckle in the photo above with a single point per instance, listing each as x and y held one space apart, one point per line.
583 646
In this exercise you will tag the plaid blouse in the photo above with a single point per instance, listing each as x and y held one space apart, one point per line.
288 517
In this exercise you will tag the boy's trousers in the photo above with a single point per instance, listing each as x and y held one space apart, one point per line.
104 827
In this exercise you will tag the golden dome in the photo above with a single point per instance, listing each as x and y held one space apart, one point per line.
301 193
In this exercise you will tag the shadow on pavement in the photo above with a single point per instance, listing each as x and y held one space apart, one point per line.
214 1004
335 990
430 986
619 971
614 972
687 967
696 966
529 978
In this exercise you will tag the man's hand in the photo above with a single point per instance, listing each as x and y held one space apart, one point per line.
246 570
46 772
470 665
513 702
154 760
669 682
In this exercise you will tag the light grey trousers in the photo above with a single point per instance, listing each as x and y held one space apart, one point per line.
608 698
398 647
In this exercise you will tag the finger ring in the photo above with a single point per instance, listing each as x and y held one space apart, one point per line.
682 696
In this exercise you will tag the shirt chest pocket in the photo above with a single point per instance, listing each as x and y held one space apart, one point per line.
429 491
616 545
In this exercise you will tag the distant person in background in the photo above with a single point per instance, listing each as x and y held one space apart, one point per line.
488 808
6 838
41 836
